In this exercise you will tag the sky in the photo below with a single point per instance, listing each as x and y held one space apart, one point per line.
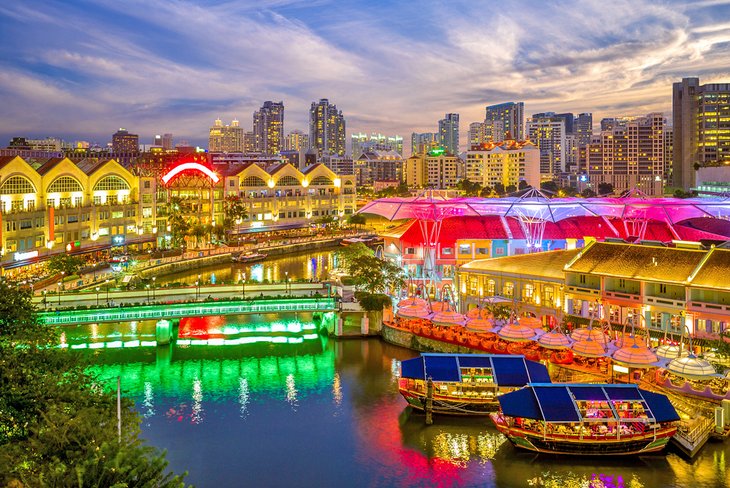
80 69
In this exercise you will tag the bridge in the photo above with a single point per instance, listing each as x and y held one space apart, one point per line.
196 309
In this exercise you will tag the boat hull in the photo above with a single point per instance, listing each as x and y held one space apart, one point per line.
451 406
588 446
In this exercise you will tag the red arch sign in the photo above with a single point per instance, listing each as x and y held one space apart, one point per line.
188 166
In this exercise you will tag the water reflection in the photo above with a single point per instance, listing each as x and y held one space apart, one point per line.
243 397
148 408
291 390
197 415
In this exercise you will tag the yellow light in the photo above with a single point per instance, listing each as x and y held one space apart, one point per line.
305 183
337 182
50 244
271 183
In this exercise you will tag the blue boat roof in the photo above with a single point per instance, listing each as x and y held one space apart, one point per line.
508 370
556 402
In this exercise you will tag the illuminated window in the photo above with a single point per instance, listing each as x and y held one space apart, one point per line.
253 181
287 181
491 286
321 180
509 289
64 184
110 183
16 185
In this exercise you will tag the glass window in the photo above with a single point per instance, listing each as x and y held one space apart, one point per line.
287 181
17 185
110 183
321 180
253 181
464 249
64 184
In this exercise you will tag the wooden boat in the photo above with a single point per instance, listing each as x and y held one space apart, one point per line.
586 419
249 257
465 384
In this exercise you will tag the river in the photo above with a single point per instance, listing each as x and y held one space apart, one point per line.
282 406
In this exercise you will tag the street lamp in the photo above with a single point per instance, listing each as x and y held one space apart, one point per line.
148 292
59 293
197 290
45 302
286 281
97 296
153 287
243 286
95 271
106 283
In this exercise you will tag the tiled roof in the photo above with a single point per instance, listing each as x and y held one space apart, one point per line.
714 271
648 263
547 264
48 165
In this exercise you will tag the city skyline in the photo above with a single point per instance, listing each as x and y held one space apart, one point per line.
164 66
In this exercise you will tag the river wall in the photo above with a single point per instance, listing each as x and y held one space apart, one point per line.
410 340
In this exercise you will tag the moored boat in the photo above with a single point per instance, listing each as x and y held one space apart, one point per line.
465 384
249 257
586 419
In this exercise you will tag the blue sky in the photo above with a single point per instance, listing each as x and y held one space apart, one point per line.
80 69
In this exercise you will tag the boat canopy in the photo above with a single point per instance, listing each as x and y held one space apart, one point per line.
558 402
508 370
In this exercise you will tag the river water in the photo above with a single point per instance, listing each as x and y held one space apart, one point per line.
265 401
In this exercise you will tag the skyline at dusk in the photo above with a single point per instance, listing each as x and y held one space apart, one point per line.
81 70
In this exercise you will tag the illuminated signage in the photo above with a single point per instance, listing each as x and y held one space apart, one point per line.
118 240
20 256
190 166
620 369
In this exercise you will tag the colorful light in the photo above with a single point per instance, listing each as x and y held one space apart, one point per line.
190 166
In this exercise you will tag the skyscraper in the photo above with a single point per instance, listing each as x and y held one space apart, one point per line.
124 142
362 143
326 128
449 133
583 128
548 132
225 138
268 128
477 134
423 141
512 117
296 140
701 123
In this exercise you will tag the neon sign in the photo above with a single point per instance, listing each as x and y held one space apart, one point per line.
191 165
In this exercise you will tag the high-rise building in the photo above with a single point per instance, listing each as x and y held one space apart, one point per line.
268 128
583 128
512 118
225 138
548 132
381 166
572 149
362 143
124 142
167 143
249 142
668 153
449 133
442 169
326 128
628 156
296 140
423 142
477 134
157 141
701 124
507 163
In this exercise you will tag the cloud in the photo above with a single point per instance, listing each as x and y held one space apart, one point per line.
176 65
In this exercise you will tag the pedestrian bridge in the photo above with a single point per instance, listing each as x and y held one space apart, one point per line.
180 310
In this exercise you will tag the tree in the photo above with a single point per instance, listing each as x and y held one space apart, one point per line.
486 191
374 275
58 426
605 188
179 226
549 186
64 263
499 188
356 220
326 221
346 255
469 188
510 189
234 212
588 193
523 185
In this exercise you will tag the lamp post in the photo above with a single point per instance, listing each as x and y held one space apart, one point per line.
243 286
153 287
148 292
286 281
197 291
45 302
59 293
97 296
106 283
94 266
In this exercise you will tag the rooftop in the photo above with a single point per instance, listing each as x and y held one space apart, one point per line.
547 264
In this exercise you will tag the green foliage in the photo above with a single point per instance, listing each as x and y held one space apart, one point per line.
356 219
550 186
234 208
399 191
65 263
374 275
510 189
523 184
469 188
179 225
58 424
588 193
345 255
373 302
605 188
499 188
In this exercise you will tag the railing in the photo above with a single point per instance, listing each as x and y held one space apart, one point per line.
187 310
699 432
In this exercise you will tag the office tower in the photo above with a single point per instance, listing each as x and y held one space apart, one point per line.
157 141
249 142
511 115
167 142
124 142
442 169
548 133
668 153
423 142
571 152
268 128
225 138
362 143
296 140
477 134
380 166
326 128
701 123
629 155
583 128
507 163
449 133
